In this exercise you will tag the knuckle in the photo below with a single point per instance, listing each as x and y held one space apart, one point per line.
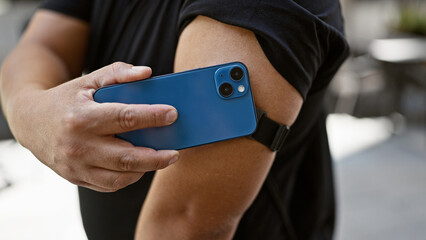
127 162
116 67
127 118
73 150
73 121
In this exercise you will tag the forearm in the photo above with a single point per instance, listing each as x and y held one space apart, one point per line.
50 52
30 67
203 204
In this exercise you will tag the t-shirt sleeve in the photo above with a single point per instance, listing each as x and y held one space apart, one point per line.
80 9
295 41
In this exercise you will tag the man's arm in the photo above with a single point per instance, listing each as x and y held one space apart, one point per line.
59 121
206 193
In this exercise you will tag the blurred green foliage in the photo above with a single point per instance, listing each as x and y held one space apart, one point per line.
412 18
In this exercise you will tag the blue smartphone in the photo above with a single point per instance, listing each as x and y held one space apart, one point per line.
213 103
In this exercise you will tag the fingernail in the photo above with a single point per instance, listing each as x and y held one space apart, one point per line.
171 116
140 68
175 158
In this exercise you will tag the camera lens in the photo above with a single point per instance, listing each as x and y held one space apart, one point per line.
226 90
237 73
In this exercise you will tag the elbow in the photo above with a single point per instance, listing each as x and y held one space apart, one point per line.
210 227
209 223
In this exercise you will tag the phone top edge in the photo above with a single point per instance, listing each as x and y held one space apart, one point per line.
175 73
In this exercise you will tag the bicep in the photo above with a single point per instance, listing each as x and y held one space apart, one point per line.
205 42
216 183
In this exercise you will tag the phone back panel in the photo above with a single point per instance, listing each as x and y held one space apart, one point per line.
204 116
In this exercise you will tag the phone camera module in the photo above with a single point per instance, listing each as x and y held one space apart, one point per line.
236 73
226 90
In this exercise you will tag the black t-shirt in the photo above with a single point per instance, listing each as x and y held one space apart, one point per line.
303 39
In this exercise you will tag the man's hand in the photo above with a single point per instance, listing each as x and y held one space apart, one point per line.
74 136
58 120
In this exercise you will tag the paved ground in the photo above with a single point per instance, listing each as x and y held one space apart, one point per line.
382 190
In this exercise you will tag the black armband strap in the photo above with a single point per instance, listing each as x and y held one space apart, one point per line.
269 132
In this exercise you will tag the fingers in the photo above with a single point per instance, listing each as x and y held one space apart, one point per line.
113 118
116 164
121 156
117 72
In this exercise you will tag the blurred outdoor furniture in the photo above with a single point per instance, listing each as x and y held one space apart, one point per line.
403 61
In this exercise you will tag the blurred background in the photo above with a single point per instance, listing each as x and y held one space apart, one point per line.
377 131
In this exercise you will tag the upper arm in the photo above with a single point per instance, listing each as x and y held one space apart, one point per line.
213 185
66 37
205 42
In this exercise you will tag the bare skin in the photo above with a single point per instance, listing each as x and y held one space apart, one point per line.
58 120
202 196
205 194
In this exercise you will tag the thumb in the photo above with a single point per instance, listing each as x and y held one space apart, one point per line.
117 72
